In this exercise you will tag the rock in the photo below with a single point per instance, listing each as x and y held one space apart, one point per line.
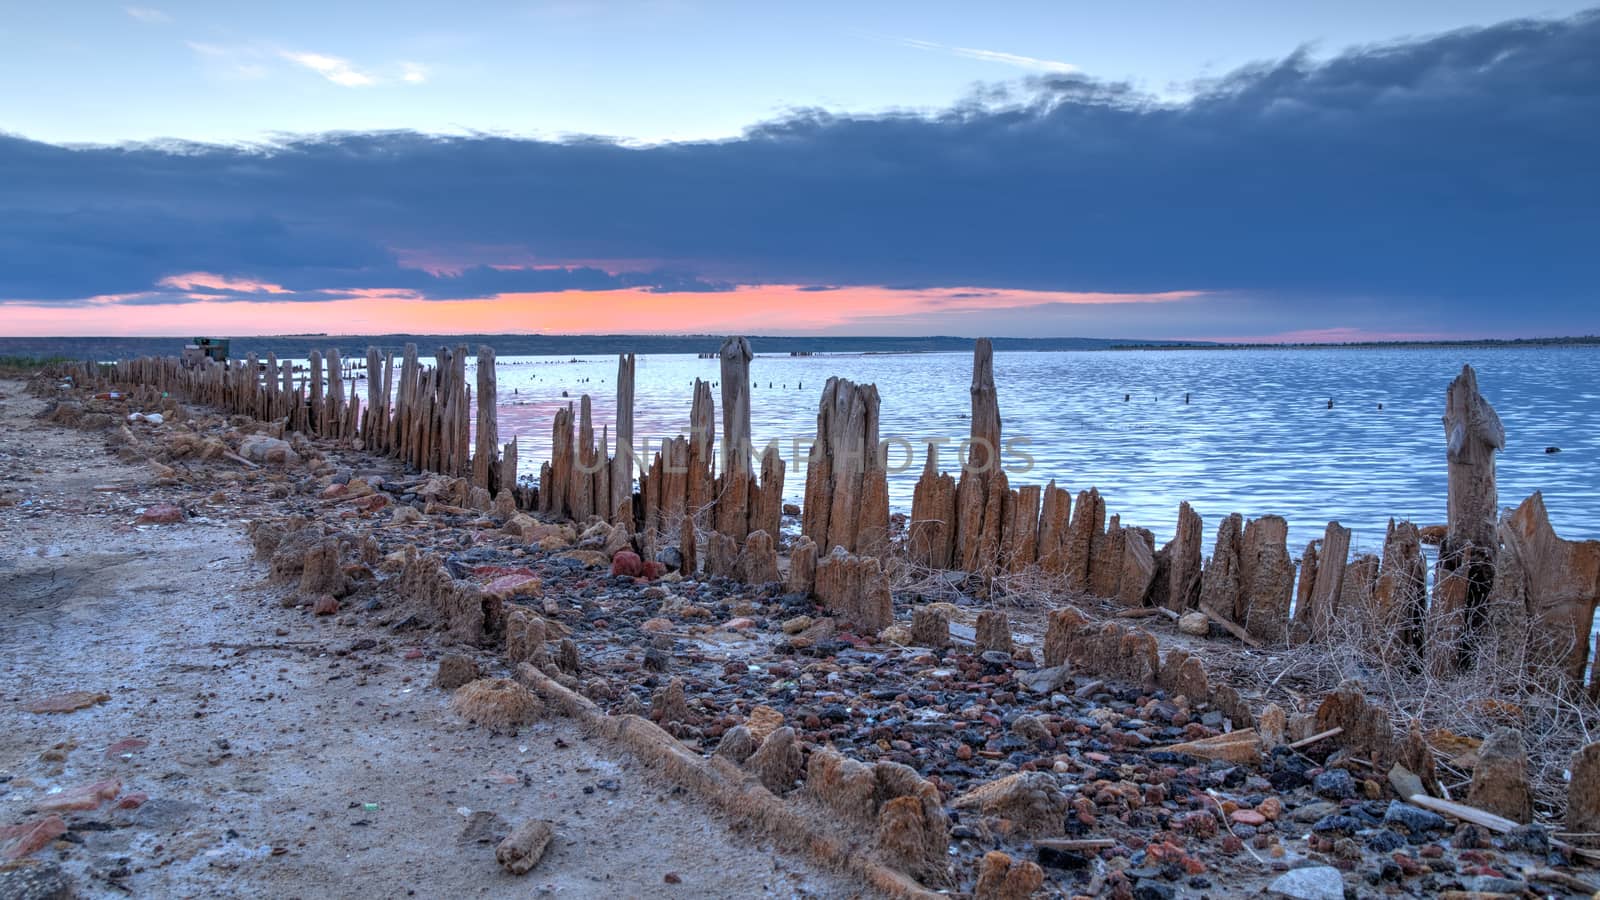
272 451
71 701
762 722
930 628
670 705
455 670
81 798
757 562
671 558
626 562
35 881
1412 820
736 745
1310 883
1047 680
1002 878
844 785
1194 623
796 624
483 827
993 631
34 836
325 605
778 761
897 634
497 703
1029 728
1238 747
1033 801
1583 793
1335 784
515 585
1500 779
524 847
322 573
161 514
1273 726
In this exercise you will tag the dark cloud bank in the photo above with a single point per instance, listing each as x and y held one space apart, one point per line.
1464 168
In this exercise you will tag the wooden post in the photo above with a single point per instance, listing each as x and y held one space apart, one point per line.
842 496
335 414
1466 557
484 464
702 464
622 464
733 499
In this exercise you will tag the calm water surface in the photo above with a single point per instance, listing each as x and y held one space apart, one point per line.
1256 436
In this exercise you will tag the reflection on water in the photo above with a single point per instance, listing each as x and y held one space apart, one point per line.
1256 436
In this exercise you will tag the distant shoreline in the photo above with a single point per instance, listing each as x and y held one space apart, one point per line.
297 346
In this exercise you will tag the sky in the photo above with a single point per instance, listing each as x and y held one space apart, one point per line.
1231 170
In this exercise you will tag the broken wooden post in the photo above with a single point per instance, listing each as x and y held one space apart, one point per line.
1105 566
846 495
1184 554
581 493
1022 529
933 511
1545 590
733 497
1219 583
1055 518
484 470
335 412
1319 599
1466 557
1087 532
983 456
702 464
1400 596
622 463
1266 579
314 359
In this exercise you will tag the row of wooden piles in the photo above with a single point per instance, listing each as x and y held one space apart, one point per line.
1505 586
420 414
1005 537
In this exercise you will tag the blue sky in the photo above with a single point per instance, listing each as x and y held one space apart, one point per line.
646 70
1163 170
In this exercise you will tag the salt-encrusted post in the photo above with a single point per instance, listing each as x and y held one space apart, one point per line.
983 456
702 463
622 463
1466 557
845 499
733 515
315 360
335 400
484 473
371 427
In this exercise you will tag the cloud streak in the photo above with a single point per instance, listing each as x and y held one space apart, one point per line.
147 15
337 70
1029 63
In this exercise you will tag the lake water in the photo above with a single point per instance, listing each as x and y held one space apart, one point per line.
1256 437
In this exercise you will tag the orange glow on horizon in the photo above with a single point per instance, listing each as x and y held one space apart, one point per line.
763 309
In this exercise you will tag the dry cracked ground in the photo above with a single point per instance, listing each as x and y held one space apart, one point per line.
248 750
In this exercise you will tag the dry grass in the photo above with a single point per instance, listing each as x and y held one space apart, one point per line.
1511 684
497 703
